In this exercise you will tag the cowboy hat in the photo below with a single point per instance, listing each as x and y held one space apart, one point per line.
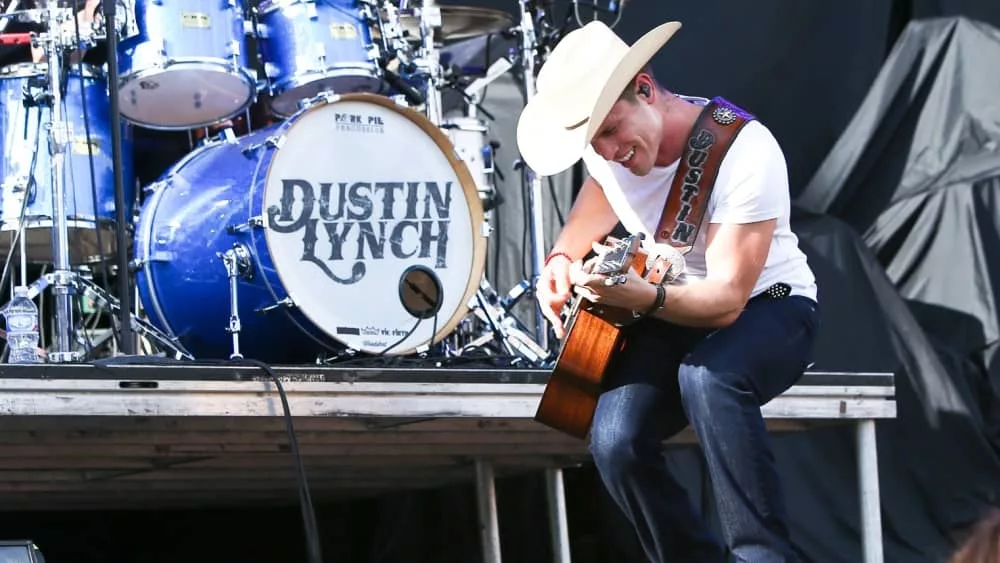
583 77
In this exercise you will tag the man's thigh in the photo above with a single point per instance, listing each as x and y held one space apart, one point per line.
766 350
641 384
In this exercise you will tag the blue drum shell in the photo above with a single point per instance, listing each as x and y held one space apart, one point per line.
200 208
85 111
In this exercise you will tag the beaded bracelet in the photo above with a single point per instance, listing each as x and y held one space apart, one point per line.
553 255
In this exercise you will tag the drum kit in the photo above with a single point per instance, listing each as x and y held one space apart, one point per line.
351 223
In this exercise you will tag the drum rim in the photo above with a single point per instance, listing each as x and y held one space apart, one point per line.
271 6
469 188
281 88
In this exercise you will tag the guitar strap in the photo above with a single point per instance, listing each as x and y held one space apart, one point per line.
710 139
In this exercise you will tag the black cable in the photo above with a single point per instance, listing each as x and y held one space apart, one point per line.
313 549
400 341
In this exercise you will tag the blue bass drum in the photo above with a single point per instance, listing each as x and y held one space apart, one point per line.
312 46
351 226
89 202
187 66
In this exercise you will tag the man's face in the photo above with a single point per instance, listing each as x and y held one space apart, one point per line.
629 135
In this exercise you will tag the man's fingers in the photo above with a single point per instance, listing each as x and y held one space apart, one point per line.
561 286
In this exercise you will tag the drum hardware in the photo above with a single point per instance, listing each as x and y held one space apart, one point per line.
238 265
82 285
502 327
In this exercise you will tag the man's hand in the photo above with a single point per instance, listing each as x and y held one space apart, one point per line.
553 291
633 293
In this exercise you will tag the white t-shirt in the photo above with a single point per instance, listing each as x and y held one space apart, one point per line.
752 185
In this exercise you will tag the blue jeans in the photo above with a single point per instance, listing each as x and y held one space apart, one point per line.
669 376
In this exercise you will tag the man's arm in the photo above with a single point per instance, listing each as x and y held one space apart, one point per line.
734 258
590 218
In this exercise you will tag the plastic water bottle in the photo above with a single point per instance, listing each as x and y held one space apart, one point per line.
21 315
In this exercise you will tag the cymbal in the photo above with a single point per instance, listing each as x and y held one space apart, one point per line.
459 22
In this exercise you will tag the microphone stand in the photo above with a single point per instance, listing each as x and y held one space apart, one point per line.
127 342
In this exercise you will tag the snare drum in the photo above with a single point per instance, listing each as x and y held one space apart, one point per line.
187 66
312 46
352 225
88 205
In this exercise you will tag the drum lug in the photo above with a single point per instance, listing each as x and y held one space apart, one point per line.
234 51
326 97
160 256
286 302
374 52
271 70
253 223
274 141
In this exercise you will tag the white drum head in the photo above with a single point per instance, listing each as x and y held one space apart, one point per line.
184 96
360 194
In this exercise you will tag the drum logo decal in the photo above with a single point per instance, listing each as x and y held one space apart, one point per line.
357 222
358 123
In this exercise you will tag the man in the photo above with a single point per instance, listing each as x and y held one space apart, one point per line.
711 350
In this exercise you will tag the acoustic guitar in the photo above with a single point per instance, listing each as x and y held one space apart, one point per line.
594 334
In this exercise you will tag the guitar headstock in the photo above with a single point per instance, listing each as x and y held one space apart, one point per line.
618 259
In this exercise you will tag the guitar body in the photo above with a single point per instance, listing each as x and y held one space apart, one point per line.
594 335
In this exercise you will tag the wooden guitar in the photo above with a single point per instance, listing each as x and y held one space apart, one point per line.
594 335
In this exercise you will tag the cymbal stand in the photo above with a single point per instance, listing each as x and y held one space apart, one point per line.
63 286
536 221
429 60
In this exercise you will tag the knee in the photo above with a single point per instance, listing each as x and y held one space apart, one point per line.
615 450
704 391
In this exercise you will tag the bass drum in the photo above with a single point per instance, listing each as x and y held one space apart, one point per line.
351 226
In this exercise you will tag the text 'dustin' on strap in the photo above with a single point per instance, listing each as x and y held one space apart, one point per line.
712 135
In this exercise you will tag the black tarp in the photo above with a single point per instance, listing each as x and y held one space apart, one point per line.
917 174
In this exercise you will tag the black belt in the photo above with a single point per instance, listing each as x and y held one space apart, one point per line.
779 290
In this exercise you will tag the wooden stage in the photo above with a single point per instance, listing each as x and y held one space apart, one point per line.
135 435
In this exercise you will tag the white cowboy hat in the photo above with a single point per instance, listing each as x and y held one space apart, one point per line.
583 77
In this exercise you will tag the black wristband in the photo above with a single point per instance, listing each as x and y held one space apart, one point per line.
661 295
